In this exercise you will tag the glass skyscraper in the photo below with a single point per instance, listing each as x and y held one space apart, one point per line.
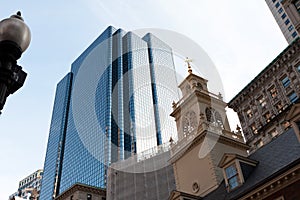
115 102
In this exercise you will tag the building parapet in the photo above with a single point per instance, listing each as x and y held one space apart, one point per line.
204 126
142 156
182 100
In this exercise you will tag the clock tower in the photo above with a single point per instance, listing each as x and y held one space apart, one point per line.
204 136
198 103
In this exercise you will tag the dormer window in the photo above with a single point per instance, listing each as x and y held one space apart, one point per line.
232 176
236 169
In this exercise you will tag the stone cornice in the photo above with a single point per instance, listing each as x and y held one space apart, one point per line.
230 157
187 147
199 94
286 177
190 77
175 155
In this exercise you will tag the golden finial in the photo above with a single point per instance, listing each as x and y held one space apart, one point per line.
188 61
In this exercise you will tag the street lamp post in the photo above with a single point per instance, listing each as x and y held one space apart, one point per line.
14 40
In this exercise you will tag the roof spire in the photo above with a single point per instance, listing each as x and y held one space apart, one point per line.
188 61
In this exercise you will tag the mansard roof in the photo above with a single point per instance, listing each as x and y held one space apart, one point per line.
275 158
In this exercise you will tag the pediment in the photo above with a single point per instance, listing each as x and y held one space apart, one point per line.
227 157
174 195
177 195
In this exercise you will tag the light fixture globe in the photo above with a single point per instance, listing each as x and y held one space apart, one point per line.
14 40
14 31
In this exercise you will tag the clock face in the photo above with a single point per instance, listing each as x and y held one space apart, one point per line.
189 122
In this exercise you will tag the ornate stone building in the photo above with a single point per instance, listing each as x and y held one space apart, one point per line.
82 192
212 163
272 172
201 119
263 104
203 137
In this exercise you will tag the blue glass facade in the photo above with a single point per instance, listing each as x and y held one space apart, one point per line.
117 140
141 109
110 108
55 147
87 146
164 84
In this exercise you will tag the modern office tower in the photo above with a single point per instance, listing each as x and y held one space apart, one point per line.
263 104
286 20
164 90
115 102
57 133
29 186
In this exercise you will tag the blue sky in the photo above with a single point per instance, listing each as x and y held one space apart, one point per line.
241 37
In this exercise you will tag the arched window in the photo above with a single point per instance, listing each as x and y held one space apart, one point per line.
208 114
199 86
189 122
214 117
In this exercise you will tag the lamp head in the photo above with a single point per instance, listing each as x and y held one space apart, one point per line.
13 30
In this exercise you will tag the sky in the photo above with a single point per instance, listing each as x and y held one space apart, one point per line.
241 38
